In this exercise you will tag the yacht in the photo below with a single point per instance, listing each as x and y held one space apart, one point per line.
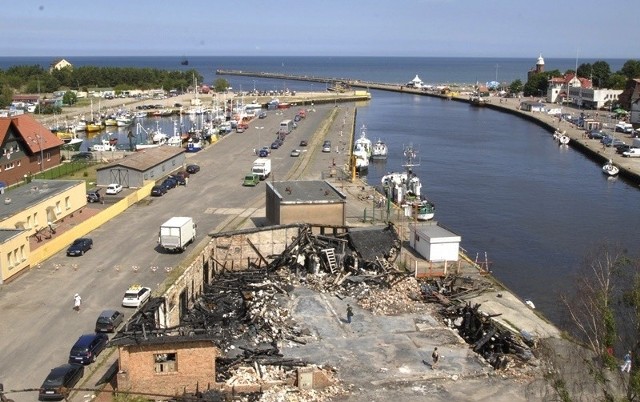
379 151
362 151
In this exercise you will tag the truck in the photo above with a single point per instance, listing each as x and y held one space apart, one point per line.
286 126
262 167
177 233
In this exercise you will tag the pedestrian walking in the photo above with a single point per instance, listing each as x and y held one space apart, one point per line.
77 301
349 314
627 363
435 356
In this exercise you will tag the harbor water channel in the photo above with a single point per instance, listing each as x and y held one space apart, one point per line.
533 209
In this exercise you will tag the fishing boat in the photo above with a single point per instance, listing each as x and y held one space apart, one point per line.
72 143
610 169
362 151
194 145
104 146
404 189
124 121
379 151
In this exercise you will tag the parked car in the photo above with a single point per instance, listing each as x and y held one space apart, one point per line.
295 153
158 190
94 195
632 153
87 347
595 135
303 143
179 179
135 296
114 188
251 180
82 157
264 152
193 168
239 129
620 149
109 321
59 380
262 115
80 246
169 183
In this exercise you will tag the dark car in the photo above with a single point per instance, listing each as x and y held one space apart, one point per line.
275 144
54 387
158 190
179 179
620 149
109 320
169 183
193 169
94 195
303 143
262 115
80 246
595 135
264 152
82 157
87 347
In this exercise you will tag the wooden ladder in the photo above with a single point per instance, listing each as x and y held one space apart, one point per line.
331 258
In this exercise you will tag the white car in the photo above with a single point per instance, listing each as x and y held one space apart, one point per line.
135 296
114 188
632 153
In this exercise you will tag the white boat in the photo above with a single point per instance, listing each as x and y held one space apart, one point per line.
72 144
194 145
123 121
379 151
80 126
404 189
561 137
610 169
362 151
175 140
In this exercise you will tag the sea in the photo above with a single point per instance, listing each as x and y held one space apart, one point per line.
532 210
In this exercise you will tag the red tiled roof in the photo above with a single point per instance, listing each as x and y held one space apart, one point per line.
35 135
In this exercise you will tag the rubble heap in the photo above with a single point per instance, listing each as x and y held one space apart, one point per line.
495 344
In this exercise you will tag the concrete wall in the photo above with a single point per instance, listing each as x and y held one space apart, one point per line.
313 214
195 368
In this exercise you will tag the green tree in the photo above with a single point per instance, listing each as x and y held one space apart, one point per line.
6 96
631 69
69 98
601 73
536 85
516 87
220 85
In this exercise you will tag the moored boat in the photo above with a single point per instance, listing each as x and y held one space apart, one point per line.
362 151
404 189
610 169
72 144
379 151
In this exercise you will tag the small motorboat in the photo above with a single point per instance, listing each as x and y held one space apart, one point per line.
530 303
610 169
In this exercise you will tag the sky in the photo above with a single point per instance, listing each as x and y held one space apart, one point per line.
419 28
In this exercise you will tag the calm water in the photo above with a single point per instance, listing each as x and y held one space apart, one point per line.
500 182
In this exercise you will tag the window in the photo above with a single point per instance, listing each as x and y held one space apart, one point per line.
165 363
28 222
57 207
48 156
22 255
35 219
67 203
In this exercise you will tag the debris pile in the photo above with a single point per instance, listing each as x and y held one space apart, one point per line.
495 344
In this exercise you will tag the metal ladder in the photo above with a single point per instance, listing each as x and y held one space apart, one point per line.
331 258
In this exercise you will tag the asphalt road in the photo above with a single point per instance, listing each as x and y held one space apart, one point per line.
39 325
